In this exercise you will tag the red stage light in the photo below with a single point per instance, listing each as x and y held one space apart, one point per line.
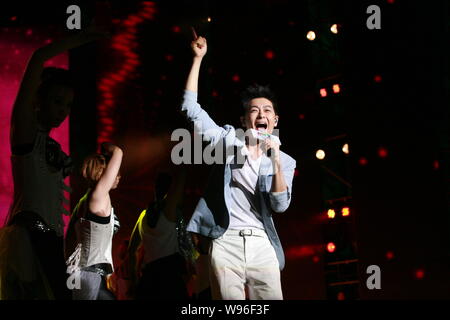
146 15
296 252
382 152
107 121
269 54
420 274
435 164
363 161
215 93
377 78
236 78
117 77
133 62
389 255
323 92
316 259
301 116
331 247
176 29
296 173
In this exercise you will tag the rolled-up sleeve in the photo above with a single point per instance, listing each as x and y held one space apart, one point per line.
280 201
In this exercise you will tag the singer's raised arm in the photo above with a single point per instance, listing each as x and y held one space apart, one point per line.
203 124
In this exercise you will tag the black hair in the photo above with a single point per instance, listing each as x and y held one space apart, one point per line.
162 184
54 76
258 91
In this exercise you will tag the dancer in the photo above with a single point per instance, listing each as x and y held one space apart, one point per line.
31 244
236 210
93 223
168 249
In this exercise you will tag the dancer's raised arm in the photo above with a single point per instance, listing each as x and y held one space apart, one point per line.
24 120
109 178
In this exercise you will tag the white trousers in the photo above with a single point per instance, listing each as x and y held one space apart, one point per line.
244 259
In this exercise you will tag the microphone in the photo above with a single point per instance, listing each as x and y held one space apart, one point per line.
258 135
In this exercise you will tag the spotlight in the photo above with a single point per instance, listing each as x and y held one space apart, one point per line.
323 92
334 28
311 35
331 213
331 247
345 148
209 19
345 211
320 154
336 88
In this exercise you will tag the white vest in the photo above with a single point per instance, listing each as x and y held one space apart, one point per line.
93 241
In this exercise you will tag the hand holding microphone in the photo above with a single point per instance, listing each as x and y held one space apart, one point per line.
272 148
270 144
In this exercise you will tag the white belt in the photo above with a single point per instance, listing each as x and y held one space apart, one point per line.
246 232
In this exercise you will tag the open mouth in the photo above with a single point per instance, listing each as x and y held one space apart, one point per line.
261 126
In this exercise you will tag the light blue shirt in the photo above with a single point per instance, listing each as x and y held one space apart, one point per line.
211 216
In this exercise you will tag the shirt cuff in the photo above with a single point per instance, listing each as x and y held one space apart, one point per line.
279 197
190 95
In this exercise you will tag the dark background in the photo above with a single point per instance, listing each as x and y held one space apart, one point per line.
399 203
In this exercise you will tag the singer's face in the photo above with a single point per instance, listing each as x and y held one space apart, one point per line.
260 115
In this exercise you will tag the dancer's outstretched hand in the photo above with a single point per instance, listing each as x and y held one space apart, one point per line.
198 45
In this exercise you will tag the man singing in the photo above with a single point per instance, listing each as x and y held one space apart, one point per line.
235 212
